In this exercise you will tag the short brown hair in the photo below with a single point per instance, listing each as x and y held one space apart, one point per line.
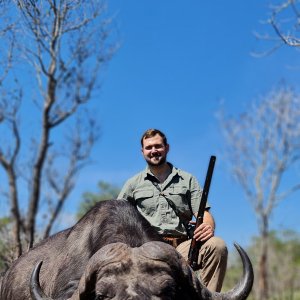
151 133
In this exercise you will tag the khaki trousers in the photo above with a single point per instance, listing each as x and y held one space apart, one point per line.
212 262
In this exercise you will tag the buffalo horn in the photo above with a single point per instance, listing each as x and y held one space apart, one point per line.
35 288
242 289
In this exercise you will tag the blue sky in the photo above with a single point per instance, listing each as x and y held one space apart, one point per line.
177 61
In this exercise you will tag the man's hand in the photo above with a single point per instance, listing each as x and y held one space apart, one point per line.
206 230
203 232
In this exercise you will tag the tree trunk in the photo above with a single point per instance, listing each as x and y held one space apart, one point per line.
15 213
263 285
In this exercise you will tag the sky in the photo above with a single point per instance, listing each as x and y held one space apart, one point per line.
177 61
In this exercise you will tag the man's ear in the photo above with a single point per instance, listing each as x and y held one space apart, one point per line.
167 148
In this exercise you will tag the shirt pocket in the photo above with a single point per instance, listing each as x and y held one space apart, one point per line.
145 201
180 197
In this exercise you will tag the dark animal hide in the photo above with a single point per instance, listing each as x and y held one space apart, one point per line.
111 253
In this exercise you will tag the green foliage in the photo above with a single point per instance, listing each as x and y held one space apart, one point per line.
4 243
283 265
107 191
4 222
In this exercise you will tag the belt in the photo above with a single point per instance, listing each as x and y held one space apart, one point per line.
174 241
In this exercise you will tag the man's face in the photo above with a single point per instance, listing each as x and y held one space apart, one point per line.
155 151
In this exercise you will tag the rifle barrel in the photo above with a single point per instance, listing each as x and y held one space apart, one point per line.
195 245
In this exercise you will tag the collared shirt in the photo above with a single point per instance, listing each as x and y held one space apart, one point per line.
152 199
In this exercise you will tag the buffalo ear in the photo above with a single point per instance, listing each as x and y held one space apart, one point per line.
193 287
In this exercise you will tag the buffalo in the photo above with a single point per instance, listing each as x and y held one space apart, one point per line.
111 253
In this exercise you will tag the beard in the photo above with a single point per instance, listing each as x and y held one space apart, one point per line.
157 163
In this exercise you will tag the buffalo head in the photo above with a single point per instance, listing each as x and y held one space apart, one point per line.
153 271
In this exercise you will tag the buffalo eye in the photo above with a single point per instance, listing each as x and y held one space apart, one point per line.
101 297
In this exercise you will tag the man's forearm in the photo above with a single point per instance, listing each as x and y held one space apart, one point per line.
208 218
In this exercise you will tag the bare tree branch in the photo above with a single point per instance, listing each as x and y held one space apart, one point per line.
78 151
63 45
285 21
263 145
9 110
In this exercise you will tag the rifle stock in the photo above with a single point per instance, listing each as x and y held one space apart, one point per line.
196 245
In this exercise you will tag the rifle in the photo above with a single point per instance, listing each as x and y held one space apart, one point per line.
196 245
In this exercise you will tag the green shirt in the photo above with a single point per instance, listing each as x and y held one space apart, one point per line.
150 197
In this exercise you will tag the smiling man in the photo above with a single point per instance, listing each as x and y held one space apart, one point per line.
169 198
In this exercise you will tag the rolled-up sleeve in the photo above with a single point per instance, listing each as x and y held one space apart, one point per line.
196 194
126 192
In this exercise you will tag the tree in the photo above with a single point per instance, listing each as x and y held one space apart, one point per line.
49 72
263 146
284 20
6 255
107 191
284 265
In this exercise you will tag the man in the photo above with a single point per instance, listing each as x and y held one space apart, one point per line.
168 198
